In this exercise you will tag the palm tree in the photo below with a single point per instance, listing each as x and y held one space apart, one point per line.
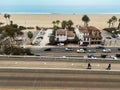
8 16
53 22
57 22
69 24
5 16
63 24
114 19
85 19
109 22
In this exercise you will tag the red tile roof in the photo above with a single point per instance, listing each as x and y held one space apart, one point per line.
63 32
83 29
70 34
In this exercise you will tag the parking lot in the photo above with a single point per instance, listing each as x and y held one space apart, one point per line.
42 38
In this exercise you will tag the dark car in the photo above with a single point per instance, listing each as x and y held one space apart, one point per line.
103 55
100 47
47 49
108 37
118 49
118 55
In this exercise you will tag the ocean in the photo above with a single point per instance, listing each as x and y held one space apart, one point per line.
61 9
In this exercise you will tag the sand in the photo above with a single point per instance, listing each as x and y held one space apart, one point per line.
45 20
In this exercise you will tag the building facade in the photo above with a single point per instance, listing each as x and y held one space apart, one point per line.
62 35
88 35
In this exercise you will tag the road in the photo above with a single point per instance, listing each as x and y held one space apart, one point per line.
21 74
58 80
60 51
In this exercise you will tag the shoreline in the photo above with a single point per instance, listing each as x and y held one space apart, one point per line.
117 13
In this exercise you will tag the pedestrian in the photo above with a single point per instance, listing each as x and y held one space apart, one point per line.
109 67
89 66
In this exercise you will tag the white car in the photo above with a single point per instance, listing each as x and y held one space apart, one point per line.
80 50
115 58
106 50
60 44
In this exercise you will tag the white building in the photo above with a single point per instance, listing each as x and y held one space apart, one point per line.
63 35
83 35
89 35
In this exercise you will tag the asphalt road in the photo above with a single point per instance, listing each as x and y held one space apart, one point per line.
60 51
36 80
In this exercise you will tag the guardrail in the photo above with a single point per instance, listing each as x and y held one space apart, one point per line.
50 58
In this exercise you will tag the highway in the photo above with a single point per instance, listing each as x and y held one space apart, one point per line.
26 73
60 51
48 79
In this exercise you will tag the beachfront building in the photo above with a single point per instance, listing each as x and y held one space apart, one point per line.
63 35
88 35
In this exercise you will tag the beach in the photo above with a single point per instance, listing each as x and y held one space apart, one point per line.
45 20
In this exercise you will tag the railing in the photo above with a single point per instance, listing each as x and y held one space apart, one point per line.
64 58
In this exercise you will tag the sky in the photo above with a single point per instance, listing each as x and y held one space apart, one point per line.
59 2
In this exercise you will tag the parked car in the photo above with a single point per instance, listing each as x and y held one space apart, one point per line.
91 51
60 44
106 50
108 37
100 47
47 49
81 50
68 49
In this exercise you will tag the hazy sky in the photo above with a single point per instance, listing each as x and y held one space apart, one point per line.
59 2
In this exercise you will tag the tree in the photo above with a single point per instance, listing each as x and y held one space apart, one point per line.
5 16
119 24
109 22
76 39
85 19
63 24
114 19
53 22
69 24
8 16
57 22
30 35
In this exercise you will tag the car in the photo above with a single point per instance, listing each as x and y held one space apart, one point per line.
118 55
91 51
100 47
118 49
114 57
81 50
68 49
60 44
104 55
106 50
108 37
91 56
47 49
